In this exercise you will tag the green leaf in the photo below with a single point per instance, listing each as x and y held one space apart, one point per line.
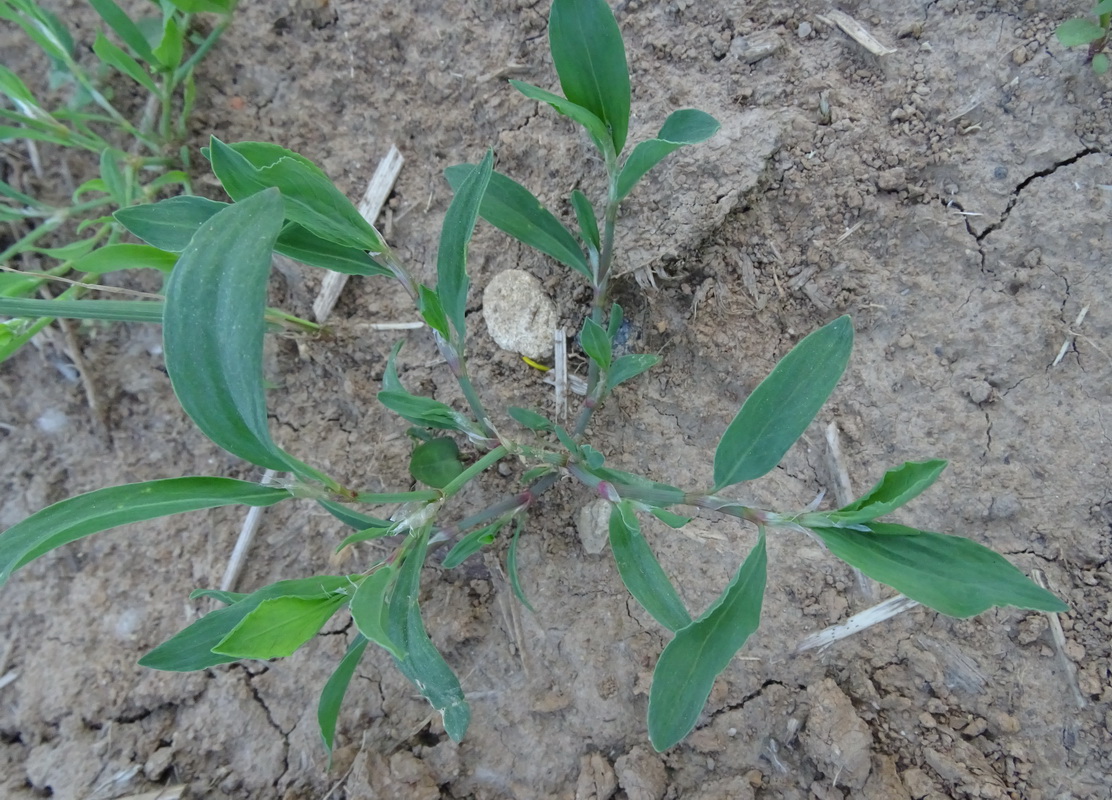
471 544
692 661
192 648
529 419
683 127
511 566
1078 32
369 607
950 574
614 324
213 328
590 59
423 411
1101 63
125 28
332 696
220 596
197 6
672 520
1103 7
451 256
171 223
113 176
513 209
169 50
310 198
588 223
595 127
432 311
435 463
898 487
115 257
641 572
657 494
111 310
352 518
627 367
783 405
423 665
116 57
279 626
97 511
297 242
595 343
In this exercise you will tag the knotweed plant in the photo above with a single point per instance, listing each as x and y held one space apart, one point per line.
213 321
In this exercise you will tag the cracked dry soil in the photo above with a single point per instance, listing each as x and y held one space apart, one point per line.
956 201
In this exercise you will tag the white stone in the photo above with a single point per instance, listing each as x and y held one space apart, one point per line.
519 315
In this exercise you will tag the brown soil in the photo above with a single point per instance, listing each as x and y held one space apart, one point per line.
956 202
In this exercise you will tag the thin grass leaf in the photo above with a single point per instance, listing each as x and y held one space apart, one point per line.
169 224
310 198
683 127
423 665
192 648
513 209
529 419
590 59
125 28
332 696
471 544
950 574
641 572
511 566
596 128
692 661
898 487
351 518
585 215
369 608
277 627
451 256
114 257
783 405
198 6
213 328
108 310
117 57
98 511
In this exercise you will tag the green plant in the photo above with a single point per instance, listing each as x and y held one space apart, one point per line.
1082 32
140 155
213 332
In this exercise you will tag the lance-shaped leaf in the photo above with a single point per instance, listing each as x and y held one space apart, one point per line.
627 367
683 127
111 310
169 224
590 59
115 257
297 242
898 487
783 405
352 518
213 328
596 343
588 223
423 411
332 695
641 572
530 419
277 627
596 128
97 511
311 199
125 28
117 57
423 665
513 209
451 256
192 648
511 566
369 608
471 544
950 574
687 668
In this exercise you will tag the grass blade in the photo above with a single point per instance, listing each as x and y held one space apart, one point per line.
590 59
332 696
423 665
783 405
513 209
641 572
692 661
511 566
98 511
213 328
109 310
125 28
950 574
451 256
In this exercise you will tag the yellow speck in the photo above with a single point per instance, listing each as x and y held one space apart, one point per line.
534 364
